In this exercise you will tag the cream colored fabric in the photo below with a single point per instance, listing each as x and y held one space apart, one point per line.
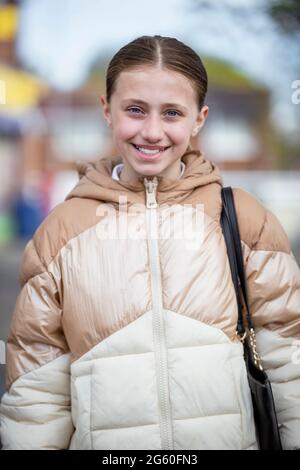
35 413
209 395
148 322
281 360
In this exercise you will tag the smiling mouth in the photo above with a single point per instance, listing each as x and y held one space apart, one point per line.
149 152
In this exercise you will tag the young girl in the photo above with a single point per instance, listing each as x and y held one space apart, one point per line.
124 332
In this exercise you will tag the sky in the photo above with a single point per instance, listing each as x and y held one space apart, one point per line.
59 40
63 37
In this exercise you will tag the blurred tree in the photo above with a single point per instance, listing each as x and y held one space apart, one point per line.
287 14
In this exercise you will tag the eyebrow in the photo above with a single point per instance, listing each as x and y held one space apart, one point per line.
173 105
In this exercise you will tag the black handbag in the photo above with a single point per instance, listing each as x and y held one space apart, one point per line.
266 425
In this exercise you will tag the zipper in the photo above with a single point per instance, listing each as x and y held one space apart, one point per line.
159 337
151 186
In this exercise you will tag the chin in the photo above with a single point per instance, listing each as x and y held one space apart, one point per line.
149 172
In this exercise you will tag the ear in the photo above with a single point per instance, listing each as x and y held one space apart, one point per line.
200 120
105 109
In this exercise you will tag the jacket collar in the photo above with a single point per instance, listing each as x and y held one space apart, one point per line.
96 180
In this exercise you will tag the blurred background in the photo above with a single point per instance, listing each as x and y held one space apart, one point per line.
53 58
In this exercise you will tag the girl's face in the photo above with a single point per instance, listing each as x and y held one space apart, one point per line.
152 109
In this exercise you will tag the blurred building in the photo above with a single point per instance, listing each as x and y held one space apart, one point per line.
237 134
44 132
22 136
38 127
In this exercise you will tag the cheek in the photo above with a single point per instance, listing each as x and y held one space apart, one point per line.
125 129
179 133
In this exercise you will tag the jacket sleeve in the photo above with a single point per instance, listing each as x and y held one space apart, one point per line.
35 409
273 280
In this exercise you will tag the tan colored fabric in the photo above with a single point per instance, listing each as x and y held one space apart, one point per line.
31 265
78 288
36 335
200 183
96 182
273 282
259 228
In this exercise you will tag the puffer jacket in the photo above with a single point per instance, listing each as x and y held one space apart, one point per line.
124 331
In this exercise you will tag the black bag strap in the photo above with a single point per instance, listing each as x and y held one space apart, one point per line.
266 423
233 242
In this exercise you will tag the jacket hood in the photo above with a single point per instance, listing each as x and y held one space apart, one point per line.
96 181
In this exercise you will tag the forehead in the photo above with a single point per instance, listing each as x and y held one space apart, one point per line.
155 85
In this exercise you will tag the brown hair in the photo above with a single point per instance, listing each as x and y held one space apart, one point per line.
165 52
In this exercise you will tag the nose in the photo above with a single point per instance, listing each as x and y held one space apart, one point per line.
152 130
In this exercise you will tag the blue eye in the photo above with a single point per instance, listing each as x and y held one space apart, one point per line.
130 109
173 111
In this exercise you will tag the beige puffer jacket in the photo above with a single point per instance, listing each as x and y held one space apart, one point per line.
123 335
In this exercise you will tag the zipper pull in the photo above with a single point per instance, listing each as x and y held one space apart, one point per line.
151 186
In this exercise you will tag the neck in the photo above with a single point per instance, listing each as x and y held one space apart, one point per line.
129 175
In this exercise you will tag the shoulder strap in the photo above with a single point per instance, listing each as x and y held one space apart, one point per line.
231 232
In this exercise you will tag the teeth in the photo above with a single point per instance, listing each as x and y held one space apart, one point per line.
147 151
